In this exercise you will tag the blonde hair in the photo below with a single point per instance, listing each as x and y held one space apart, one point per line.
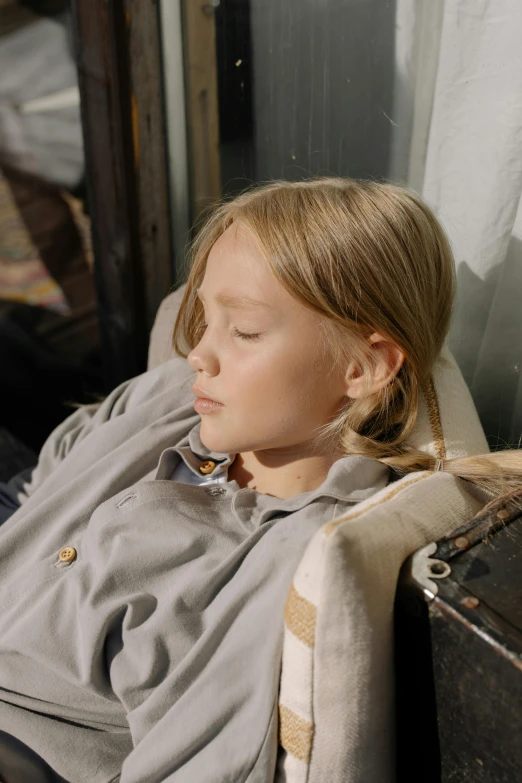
366 256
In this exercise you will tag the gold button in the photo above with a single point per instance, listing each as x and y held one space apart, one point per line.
207 467
68 554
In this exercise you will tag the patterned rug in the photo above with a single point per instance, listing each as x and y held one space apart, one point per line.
23 276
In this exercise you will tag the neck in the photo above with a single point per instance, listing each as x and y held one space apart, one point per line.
280 476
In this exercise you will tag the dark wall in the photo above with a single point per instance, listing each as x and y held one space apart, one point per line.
323 84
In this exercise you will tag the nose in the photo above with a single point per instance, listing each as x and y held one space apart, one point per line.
203 359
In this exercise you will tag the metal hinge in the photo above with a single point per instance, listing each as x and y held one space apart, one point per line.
421 569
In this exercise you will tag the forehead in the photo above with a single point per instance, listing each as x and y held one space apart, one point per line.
237 248
237 273
238 276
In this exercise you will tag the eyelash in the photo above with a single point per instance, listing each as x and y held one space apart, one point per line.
237 333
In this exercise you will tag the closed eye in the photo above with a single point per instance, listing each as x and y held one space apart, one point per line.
237 333
245 335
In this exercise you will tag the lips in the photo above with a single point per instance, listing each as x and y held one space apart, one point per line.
200 393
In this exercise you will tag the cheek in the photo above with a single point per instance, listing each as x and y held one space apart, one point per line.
257 382
314 389
282 382
289 377
256 388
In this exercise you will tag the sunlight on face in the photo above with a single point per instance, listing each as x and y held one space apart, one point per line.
267 362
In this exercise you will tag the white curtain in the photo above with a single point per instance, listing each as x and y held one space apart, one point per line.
458 141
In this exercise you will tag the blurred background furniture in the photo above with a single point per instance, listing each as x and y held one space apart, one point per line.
49 336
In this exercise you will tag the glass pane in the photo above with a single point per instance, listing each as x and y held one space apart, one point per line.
289 90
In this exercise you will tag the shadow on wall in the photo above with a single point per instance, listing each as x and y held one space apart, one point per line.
486 340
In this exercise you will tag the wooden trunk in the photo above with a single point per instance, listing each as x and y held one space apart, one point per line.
459 656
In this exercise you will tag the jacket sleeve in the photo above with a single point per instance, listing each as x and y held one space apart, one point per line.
14 493
72 431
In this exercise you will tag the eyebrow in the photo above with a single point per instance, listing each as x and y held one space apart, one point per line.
237 302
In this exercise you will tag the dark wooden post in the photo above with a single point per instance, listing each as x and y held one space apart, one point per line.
119 63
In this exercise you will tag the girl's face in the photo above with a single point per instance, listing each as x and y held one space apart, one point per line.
266 360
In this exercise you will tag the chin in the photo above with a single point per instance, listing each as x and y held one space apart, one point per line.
214 442
223 444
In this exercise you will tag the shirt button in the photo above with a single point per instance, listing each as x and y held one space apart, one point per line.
207 467
67 554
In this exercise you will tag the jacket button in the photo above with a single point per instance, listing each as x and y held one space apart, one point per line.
67 554
207 467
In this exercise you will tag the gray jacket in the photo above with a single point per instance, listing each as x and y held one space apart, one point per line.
154 654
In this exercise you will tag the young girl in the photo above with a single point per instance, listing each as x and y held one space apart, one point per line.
145 565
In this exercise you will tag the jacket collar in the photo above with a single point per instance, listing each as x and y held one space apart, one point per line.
350 479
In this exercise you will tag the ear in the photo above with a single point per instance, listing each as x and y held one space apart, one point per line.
386 359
